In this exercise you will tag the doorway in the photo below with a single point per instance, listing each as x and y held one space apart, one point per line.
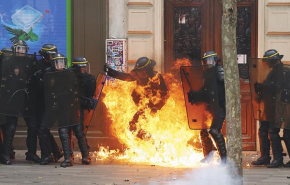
193 27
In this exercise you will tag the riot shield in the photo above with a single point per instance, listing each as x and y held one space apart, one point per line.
88 114
18 84
283 98
61 99
200 94
2 120
263 87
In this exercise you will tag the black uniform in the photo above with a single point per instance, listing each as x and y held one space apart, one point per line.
47 142
275 138
11 121
87 84
1 142
217 121
211 58
273 60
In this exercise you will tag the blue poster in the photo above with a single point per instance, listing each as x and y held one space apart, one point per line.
37 22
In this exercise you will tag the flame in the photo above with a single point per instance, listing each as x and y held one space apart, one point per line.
209 119
166 138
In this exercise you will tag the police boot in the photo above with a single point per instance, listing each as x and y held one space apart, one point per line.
31 142
206 146
264 158
82 144
57 152
71 135
220 143
276 148
287 144
12 153
8 140
45 147
65 140
1 145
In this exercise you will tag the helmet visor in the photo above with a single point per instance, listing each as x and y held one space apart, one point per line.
209 61
21 49
59 64
85 68
16 71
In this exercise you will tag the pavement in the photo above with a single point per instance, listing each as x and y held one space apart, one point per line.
118 173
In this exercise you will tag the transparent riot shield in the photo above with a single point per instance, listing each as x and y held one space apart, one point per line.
200 94
18 84
263 86
88 114
61 99
283 98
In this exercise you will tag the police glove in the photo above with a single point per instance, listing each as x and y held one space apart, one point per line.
90 103
258 88
106 68
285 96
220 73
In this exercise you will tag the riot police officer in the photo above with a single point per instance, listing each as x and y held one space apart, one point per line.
6 50
143 73
47 141
19 48
211 58
87 90
2 129
272 58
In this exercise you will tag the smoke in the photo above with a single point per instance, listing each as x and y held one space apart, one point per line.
207 175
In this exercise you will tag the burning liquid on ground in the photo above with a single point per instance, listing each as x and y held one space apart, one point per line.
166 138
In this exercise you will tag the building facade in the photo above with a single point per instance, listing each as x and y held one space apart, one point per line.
153 29
165 30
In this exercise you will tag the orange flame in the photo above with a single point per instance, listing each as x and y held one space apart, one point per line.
167 139
209 119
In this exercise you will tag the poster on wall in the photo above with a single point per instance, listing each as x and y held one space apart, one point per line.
37 23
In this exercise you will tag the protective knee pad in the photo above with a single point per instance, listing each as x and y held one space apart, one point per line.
286 133
264 126
274 133
215 132
63 133
43 133
10 129
79 132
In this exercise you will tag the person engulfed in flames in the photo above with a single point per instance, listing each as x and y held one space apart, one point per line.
151 91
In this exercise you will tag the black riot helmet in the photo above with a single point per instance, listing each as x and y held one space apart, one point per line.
6 50
144 63
82 64
211 58
48 50
58 62
144 67
272 55
20 47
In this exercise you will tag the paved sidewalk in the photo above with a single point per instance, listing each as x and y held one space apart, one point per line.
113 173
